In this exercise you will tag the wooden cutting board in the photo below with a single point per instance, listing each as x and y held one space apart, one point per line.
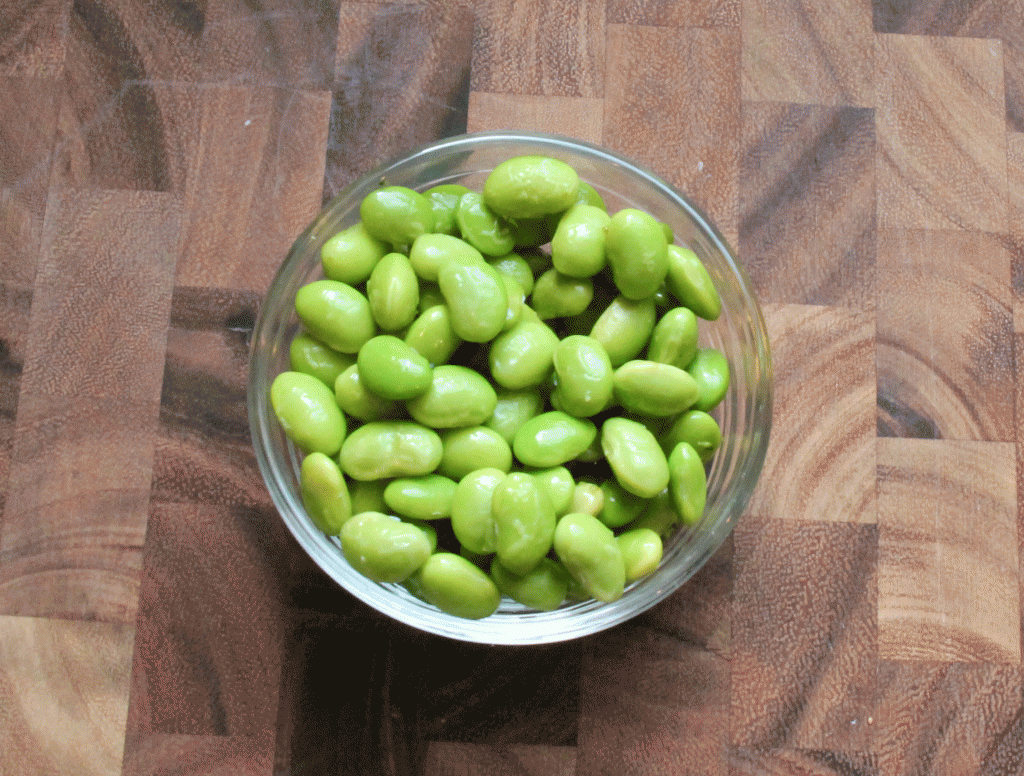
158 158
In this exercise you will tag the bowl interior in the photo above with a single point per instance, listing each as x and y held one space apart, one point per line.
744 415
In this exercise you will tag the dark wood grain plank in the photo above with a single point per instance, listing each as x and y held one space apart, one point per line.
807 204
804 630
668 13
63 691
445 758
581 117
945 336
948 586
821 459
651 703
955 718
540 47
744 761
254 184
402 78
941 133
672 104
808 51
32 37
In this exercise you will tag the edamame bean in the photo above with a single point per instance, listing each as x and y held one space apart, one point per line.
543 588
396 214
476 299
393 292
650 388
432 336
472 516
689 282
637 252
710 371
635 456
524 520
351 254
687 482
456 586
674 340
457 397
396 448
559 296
336 314
585 376
522 357
620 507
624 328
512 410
368 496
558 483
578 247
475 447
428 497
355 399
587 499
515 267
430 296
553 438
307 412
431 251
382 547
392 369
324 493
589 551
516 298
308 354
698 429
641 552
482 227
531 186
444 199
529 232
428 530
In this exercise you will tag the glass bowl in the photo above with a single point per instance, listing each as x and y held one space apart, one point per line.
744 415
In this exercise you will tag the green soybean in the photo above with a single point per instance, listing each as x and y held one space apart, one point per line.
585 376
553 438
619 507
636 458
531 186
710 370
524 520
476 299
444 200
511 410
558 483
697 428
428 497
307 412
472 516
522 357
324 493
431 251
482 227
514 266
578 247
384 449
529 232
350 255
432 336
430 296
588 195
637 253
689 282
392 369
457 397
382 547
396 214
559 296
352 395
587 499
650 388
393 292
589 551
674 340
641 552
660 516
516 298
336 314
542 588
368 495
687 482
458 587
624 328
308 354
475 447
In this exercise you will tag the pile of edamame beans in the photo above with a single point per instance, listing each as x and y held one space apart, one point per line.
502 392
